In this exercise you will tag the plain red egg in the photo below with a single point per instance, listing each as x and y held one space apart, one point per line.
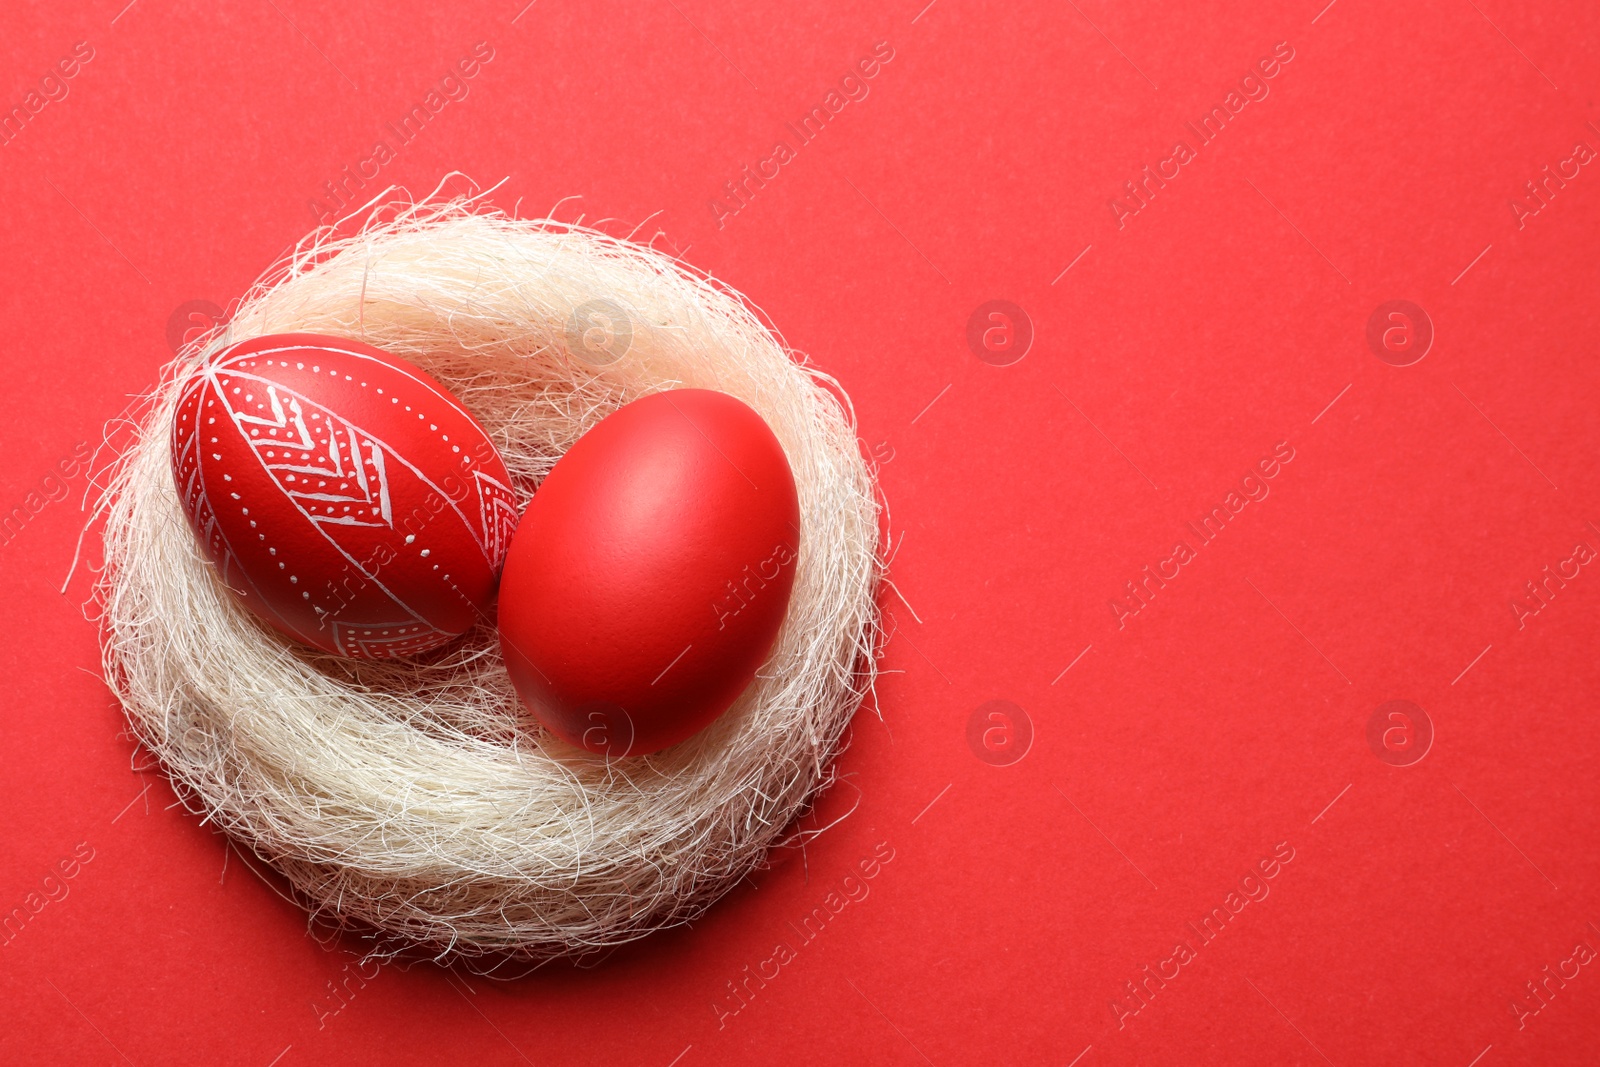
346 496
648 579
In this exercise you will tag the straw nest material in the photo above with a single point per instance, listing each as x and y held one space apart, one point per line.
415 800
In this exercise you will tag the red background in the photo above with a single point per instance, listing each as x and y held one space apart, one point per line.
1227 716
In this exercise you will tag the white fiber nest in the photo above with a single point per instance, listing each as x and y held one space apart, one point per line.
416 800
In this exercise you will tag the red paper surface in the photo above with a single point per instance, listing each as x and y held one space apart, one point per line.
1174 348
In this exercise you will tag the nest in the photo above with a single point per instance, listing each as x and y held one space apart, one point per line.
415 800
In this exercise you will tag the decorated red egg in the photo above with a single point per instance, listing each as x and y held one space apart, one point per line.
649 577
345 496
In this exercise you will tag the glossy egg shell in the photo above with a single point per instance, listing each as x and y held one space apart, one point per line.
650 575
346 496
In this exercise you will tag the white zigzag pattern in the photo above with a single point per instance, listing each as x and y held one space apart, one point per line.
347 465
497 511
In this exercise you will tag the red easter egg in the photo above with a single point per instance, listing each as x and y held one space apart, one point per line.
647 581
342 493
